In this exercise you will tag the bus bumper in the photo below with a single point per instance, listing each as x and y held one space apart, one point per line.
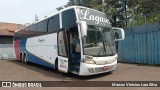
92 69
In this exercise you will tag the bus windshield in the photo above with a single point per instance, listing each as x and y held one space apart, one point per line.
99 41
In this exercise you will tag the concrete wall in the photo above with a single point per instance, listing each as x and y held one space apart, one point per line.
6 51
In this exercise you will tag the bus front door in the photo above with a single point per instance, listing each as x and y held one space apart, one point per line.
63 60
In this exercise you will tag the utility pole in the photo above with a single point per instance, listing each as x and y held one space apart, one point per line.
36 18
104 3
125 9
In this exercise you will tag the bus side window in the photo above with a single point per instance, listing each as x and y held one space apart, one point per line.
33 28
68 18
42 26
26 29
53 24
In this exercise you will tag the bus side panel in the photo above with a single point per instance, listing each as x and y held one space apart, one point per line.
17 49
42 49
34 59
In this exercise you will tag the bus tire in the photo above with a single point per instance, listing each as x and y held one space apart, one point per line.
25 58
21 57
56 65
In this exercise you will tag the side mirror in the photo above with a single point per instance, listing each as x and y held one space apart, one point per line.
83 26
119 34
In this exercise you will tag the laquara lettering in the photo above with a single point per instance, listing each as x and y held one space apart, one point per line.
87 16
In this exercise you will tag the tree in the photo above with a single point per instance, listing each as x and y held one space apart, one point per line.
122 12
96 4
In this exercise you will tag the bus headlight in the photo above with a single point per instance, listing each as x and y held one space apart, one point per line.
89 61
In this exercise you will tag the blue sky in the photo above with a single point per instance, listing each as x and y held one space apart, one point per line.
24 11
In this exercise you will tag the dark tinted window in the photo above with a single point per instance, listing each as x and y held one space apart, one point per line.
62 44
68 18
33 28
42 26
27 29
53 24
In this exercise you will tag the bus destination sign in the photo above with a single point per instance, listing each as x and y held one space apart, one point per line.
93 17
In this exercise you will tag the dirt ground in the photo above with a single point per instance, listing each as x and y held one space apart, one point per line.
13 70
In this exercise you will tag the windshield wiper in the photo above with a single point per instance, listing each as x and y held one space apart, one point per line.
104 50
110 47
100 51
107 42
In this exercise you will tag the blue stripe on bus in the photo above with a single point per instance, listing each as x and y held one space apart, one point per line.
34 59
23 44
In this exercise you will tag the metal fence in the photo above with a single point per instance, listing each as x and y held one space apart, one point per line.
141 45
142 42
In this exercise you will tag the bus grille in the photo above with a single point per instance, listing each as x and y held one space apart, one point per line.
101 69
104 62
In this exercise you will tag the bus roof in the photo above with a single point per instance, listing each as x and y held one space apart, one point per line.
70 7
65 10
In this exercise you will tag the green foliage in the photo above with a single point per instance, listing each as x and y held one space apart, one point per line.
129 12
140 20
153 18
137 20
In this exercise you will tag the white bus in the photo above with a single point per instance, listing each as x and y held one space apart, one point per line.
77 39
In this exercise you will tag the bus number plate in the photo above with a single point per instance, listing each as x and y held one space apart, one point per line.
105 67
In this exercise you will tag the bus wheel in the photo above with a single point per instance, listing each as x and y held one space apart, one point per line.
56 65
25 58
21 57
